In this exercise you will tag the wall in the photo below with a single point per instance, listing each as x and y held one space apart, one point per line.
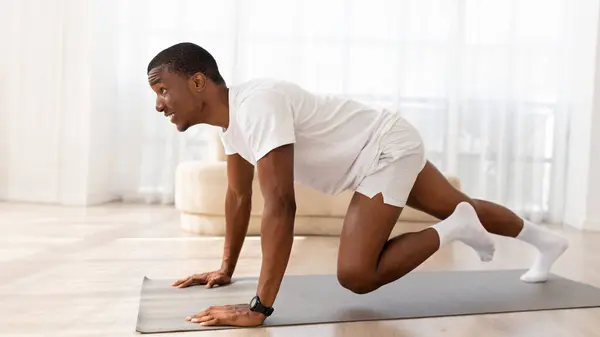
5 59
104 91
592 221
87 112
582 175
32 103
3 146
592 204
54 120
3 152
55 147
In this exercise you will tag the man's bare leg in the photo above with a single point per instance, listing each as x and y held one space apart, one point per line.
367 259
433 194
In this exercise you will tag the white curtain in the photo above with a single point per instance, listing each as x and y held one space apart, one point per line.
486 81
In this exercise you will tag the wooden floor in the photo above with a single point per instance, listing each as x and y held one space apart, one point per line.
77 272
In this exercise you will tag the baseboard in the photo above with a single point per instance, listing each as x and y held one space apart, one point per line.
588 226
592 226
99 199
89 200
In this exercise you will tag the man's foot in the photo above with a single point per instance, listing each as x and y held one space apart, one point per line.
550 247
464 225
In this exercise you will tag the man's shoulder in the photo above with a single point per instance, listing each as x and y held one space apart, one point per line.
263 102
256 96
260 82
263 88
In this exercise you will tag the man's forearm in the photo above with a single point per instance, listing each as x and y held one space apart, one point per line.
277 237
237 217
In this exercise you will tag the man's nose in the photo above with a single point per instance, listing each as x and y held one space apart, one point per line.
160 107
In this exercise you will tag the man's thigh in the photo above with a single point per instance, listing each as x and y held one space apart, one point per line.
367 227
374 210
433 194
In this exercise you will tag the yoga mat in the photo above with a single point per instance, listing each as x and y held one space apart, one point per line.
313 299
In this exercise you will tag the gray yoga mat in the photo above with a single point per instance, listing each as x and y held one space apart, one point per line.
313 299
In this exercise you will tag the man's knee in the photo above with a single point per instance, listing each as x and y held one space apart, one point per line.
356 280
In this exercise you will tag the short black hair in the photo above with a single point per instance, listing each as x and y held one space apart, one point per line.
187 59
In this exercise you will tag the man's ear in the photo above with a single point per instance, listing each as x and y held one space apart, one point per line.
198 82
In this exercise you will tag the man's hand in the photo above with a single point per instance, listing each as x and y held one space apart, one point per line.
211 279
235 315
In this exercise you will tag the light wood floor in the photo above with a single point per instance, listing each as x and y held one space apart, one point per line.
77 272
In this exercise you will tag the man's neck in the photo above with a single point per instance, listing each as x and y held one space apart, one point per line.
222 108
219 109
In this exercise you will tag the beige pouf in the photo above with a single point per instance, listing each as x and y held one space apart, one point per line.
200 197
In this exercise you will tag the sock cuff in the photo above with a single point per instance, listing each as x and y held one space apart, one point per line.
440 232
527 226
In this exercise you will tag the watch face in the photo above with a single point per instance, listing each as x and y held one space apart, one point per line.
253 302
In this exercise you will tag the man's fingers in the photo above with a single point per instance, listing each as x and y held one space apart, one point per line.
203 319
178 282
207 278
211 282
214 321
192 281
187 283
184 282
215 281
197 316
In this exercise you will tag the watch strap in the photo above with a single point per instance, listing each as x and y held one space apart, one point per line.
257 306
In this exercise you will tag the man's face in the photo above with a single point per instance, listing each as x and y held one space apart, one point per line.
175 97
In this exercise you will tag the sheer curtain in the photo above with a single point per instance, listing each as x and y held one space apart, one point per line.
484 81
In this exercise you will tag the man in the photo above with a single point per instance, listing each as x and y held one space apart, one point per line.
330 144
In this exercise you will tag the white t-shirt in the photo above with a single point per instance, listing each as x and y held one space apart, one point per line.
336 140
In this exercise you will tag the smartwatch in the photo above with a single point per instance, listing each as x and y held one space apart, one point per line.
257 306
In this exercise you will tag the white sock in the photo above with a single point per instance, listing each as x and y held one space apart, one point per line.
550 247
464 225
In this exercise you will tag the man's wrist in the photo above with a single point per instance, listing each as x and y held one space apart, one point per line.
227 268
258 306
227 271
265 298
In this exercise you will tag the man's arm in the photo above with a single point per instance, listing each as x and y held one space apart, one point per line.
276 177
240 174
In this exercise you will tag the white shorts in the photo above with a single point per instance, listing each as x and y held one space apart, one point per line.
401 159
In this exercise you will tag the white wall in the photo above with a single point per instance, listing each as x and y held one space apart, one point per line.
591 220
3 146
583 175
103 111
32 104
54 146
5 60
3 152
53 137
87 106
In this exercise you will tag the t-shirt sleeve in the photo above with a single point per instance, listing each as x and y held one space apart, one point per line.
267 121
227 147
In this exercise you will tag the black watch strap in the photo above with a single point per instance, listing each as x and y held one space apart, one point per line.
257 306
